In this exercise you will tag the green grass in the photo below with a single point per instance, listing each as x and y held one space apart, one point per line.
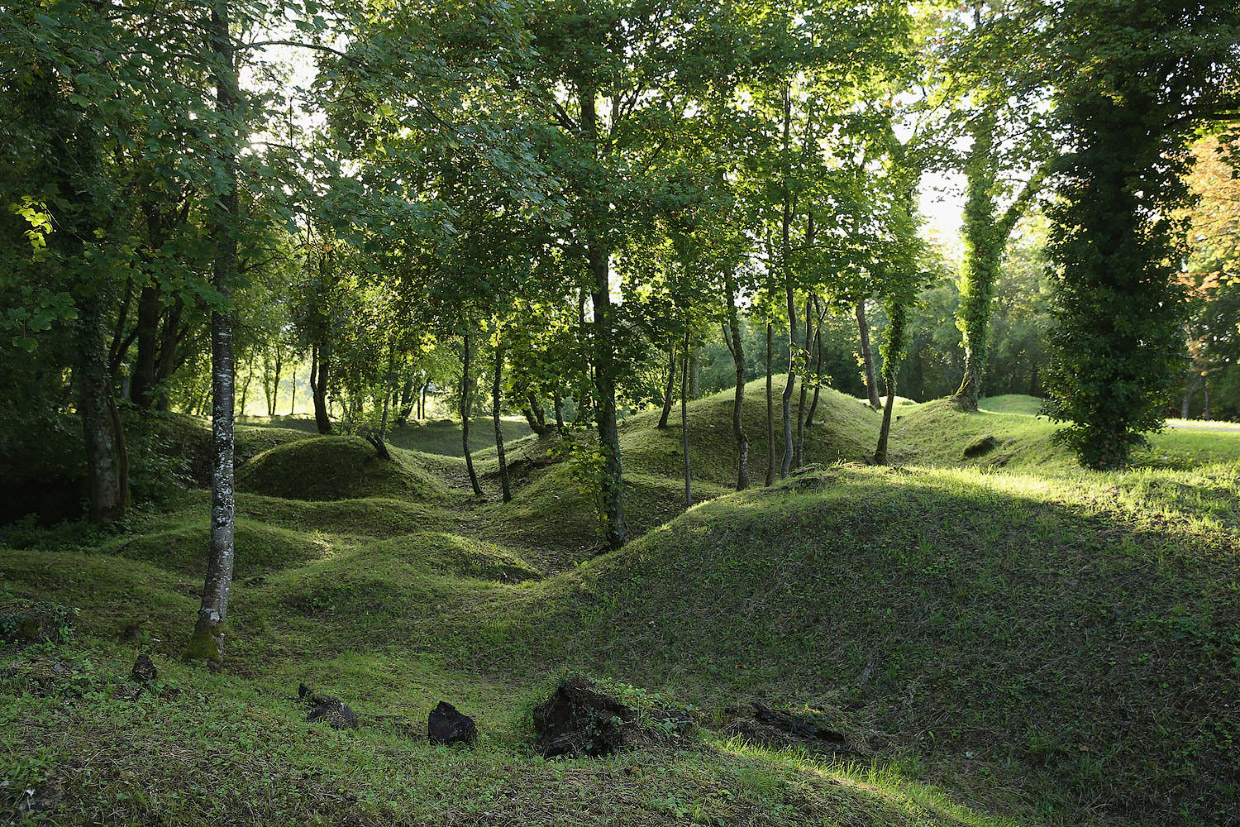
1026 642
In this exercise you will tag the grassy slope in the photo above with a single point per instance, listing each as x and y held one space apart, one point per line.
1044 643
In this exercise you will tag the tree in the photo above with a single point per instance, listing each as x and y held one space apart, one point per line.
1139 79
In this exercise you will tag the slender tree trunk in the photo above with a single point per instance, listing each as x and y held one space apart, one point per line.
496 404
107 460
867 357
813 406
1188 398
770 412
292 404
604 350
670 388
559 411
275 385
799 457
785 256
381 442
169 347
143 378
897 325
684 419
695 373
245 391
207 643
1206 413
738 399
467 398
320 375
422 401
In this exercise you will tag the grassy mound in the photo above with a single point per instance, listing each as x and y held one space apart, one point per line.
844 429
462 556
336 468
1042 647
186 549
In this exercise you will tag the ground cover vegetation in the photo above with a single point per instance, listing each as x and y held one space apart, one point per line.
643 419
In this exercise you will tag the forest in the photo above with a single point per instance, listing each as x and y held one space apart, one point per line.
747 413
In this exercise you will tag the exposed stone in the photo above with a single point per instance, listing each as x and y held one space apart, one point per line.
326 708
144 669
814 729
448 726
579 720
981 446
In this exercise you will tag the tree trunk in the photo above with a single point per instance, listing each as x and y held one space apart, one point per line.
867 357
559 411
799 457
245 391
142 382
467 398
785 256
897 324
107 460
1206 413
496 389
275 385
684 418
1189 390
695 373
292 405
207 643
738 399
172 336
770 412
604 350
813 406
320 374
670 388
381 442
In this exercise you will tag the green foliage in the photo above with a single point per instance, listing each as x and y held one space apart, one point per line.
1119 341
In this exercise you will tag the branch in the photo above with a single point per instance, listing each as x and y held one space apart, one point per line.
1017 208
317 47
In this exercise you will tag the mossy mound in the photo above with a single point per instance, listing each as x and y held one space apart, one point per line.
1040 627
336 468
378 517
462 556
844 428
262 549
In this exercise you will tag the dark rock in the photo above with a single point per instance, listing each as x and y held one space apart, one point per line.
812 729
448 726
326 708
982 446
144 669
579 720
34 621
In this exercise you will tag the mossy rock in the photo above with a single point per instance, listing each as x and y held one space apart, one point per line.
336 468
35 621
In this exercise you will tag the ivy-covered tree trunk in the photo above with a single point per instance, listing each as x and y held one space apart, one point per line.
467 400
897 333
1119 339
107 461
738 399
207 643
867 357
604 350
496 404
